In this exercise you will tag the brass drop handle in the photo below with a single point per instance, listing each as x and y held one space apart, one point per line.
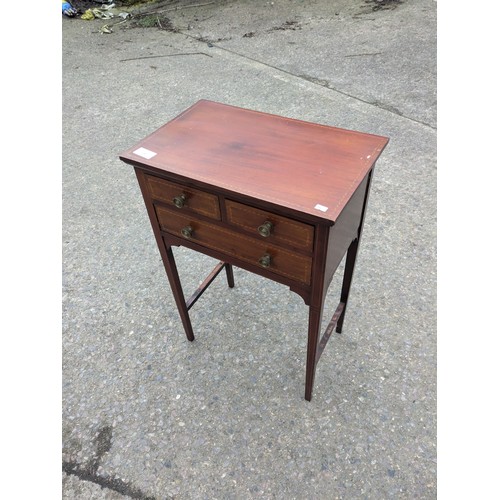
179 201
265 229
187 232
265 260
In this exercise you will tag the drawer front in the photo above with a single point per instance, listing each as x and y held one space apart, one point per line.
245 248
271 227
184 198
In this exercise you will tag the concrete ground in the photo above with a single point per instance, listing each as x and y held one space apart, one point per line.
147 414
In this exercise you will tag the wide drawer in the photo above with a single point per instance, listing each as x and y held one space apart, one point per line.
183 197
260 253
271 227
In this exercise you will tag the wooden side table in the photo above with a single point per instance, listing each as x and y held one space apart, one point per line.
282 198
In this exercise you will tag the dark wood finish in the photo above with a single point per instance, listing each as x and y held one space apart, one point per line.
229 275
344 231
352 253
175 284
195 200
329 329
206 283
284 231
317 301
290 163
282 198
282 261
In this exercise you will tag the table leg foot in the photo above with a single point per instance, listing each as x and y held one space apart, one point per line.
315 315
229 274
175 284
346 283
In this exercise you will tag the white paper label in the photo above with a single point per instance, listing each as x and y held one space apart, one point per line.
321 207
145 153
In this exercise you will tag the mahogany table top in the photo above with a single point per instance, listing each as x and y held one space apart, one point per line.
306 167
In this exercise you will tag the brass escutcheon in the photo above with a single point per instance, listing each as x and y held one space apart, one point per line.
265 229
265 260
187 231
179 201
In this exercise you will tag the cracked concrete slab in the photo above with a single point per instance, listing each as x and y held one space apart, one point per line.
385 57
145 412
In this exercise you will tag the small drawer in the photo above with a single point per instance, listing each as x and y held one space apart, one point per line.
271 227
183 197
245 248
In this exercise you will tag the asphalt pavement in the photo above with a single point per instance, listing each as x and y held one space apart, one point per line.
147 414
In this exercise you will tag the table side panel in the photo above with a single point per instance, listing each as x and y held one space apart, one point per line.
345 230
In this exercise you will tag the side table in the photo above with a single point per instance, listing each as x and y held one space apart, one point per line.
279 197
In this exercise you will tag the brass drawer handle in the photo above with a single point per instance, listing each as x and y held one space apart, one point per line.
265 260
179 201
187 232
265 229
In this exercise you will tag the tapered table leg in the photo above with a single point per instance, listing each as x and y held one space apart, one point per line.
175 284
315 315
230 275
350 262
